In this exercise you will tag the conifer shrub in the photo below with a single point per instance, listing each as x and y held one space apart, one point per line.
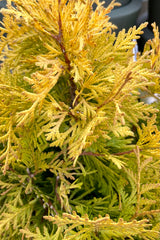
79 151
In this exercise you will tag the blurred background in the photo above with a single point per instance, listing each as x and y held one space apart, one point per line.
135 12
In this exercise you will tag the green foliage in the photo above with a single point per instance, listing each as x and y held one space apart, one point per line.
79 153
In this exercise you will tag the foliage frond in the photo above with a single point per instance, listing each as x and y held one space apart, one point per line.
149 137
77 227
74 133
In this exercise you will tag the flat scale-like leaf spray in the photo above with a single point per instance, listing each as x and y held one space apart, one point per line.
79 153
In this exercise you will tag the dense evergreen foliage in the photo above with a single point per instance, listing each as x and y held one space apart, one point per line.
79 149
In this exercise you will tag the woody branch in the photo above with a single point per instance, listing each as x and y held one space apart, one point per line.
60 40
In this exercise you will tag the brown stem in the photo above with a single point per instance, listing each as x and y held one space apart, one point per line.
56 186
103 155
60 40
128 77
123 153
152 95
52 207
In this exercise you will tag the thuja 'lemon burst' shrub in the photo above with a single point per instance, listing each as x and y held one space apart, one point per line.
79 153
